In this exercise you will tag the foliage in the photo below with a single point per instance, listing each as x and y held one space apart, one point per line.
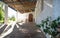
1 13
49 26
12 18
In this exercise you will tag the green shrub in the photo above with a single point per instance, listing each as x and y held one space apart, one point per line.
49 26
12 18
1 13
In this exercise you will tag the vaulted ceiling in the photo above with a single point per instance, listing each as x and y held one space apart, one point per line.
22 5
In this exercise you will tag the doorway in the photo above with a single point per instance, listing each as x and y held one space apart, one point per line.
30 17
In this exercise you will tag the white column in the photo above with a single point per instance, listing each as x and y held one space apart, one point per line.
38 8
17 16
6 14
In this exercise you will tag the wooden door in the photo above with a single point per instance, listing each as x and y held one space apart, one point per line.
30 18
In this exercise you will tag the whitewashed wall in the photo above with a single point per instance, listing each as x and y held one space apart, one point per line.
47 11
56 8
23 16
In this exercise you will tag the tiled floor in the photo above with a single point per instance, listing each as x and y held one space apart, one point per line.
27 30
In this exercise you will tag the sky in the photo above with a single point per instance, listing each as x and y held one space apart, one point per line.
11 12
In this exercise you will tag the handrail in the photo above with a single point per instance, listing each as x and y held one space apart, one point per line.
2 25
7 32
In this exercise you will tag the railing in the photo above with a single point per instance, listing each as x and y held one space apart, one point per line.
8 30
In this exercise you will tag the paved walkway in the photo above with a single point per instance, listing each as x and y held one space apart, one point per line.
27 30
